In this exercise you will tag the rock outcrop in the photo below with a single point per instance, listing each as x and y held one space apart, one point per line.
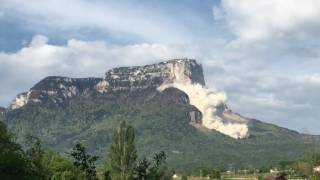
187 120
186 75
57 89
131 78
2 110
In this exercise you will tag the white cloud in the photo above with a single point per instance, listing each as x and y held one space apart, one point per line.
20 70
249 78
39 40
76 55
118 20
289 101
269 70
277 45
252 20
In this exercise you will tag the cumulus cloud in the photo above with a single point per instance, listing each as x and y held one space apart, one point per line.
124 21
274 55
20 70
266 59
288 101
252 20
249 78
39 40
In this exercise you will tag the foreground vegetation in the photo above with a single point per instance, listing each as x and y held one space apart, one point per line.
161 123
32 161
35 163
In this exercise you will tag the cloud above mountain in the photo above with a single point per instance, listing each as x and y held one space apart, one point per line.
264 54
252 20
20 70
252 91
128 20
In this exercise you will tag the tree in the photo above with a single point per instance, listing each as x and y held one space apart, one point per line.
123 154
107 175
35 154
304 168
281 177
152 170
84 161
184 177
157 171
60 168
312 157
315 176
285 165
13 162
141 171
215 174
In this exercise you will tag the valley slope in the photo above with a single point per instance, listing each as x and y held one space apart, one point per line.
62 111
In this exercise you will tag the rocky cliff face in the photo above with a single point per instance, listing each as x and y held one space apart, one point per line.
190 122
2 111
58 89
209 109
55 90
180 70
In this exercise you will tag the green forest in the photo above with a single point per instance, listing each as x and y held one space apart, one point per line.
161 123
32 161
35 162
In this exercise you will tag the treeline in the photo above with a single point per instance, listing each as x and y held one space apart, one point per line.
30 161
35 163
303 167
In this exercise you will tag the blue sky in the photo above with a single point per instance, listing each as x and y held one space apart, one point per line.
118 22
263 54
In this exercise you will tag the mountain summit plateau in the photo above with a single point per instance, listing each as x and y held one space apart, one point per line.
167 103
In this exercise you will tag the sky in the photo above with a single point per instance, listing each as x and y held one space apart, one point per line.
263 54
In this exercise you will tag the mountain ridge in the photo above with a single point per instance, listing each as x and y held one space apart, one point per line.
115 79
2 110
184 74
164 120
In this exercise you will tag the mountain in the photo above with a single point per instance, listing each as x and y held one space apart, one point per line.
2 113
169 107
2 110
